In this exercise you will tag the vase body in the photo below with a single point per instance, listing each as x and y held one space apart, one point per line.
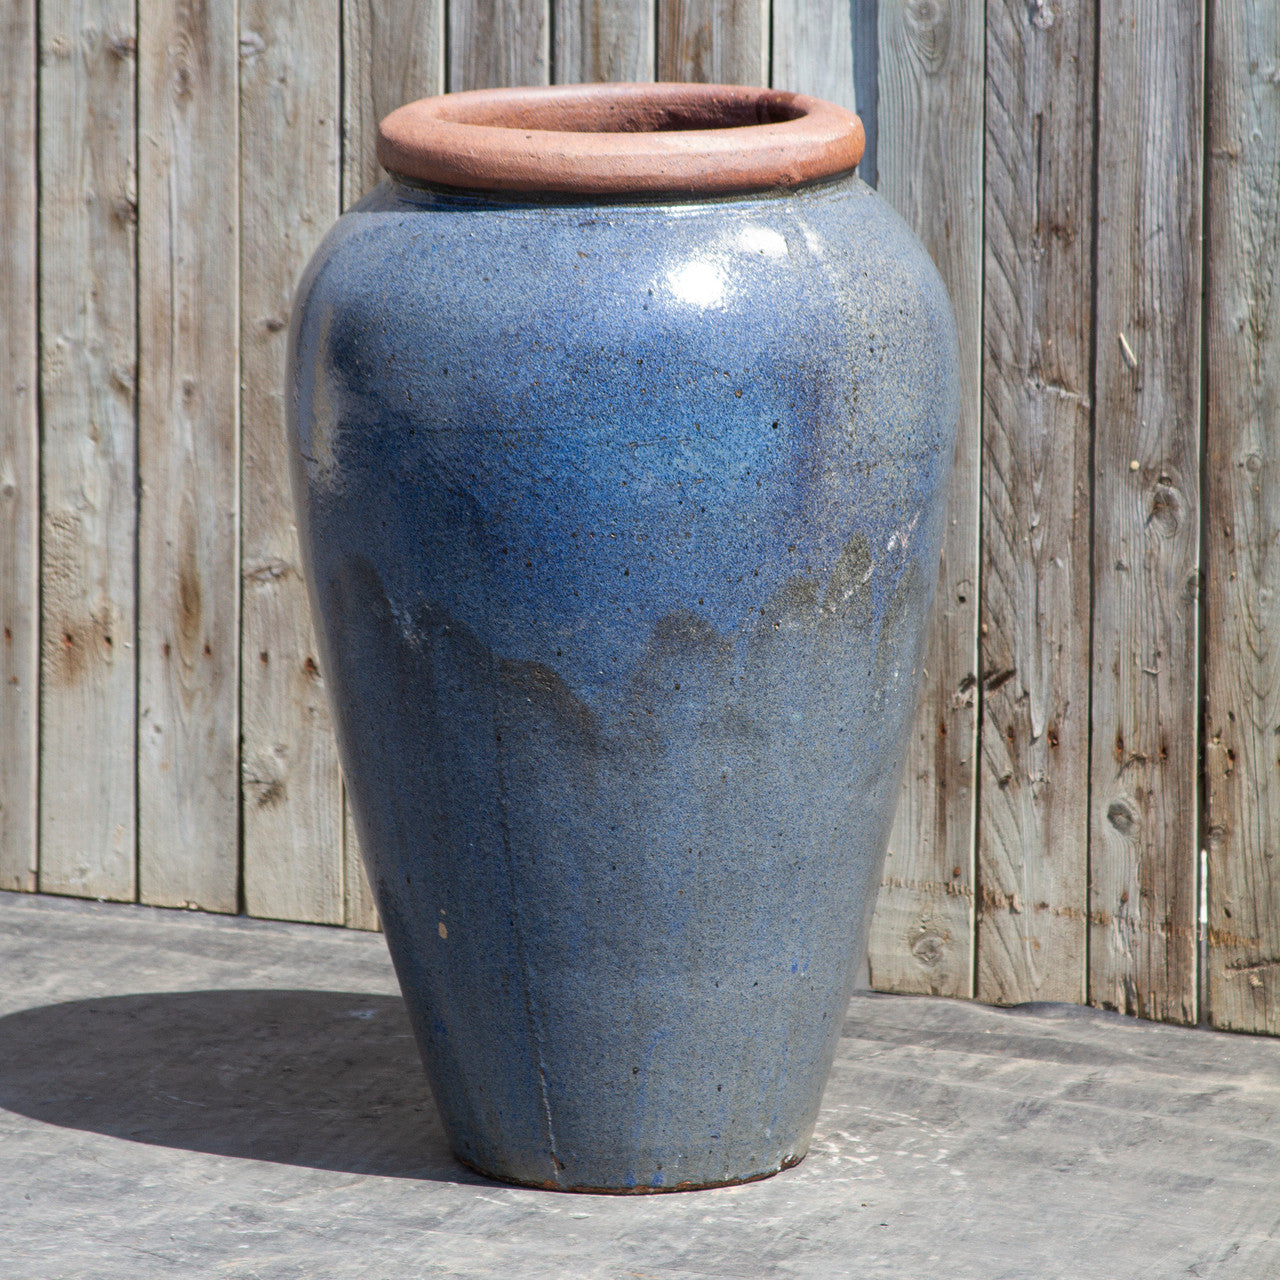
621 523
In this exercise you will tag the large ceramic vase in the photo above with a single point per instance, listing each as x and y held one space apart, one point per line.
621 421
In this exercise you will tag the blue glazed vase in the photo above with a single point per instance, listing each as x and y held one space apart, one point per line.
621 505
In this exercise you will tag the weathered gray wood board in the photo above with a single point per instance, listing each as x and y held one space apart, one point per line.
19 455
604 40
931 141
498 42
1033 855
359 911
812 50
88 368
1242 522
290 90
392 53
864 23
150 751
714 41
188 615
1143 850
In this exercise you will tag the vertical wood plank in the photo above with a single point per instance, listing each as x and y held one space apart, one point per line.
931 140
498 42
19 455
1242 711
188 646
359 910
604 40
88 341
864 19
393 53
290 176
813 49
1146 510
1033 814
714 41
828 48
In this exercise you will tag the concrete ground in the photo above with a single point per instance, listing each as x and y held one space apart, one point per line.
187 1095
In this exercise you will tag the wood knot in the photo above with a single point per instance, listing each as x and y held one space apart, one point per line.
1166 508
929 950
1122 817
926 32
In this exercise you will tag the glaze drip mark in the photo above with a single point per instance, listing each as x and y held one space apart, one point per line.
848 595
686 661
686 634
793 607
543 687
521 950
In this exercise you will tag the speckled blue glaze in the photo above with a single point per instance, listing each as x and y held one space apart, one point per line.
621 524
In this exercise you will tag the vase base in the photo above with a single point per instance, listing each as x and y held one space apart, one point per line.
789 1163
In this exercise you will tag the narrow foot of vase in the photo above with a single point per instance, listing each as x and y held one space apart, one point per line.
789 1163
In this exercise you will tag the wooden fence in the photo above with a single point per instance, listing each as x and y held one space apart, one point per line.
1092 804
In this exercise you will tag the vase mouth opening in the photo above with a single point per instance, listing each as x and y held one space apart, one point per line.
621 139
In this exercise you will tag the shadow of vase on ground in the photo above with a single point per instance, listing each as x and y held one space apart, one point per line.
324 1079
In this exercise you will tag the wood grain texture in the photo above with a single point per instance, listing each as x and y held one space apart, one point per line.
714 41
1033 813
290 174
987 874
498 42
19 456
1242 498
88 342
813 49
931 141
392 53
188 615
864 21
603 40
1146 510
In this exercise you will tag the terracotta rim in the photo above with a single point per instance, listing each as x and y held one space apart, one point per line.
621 139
